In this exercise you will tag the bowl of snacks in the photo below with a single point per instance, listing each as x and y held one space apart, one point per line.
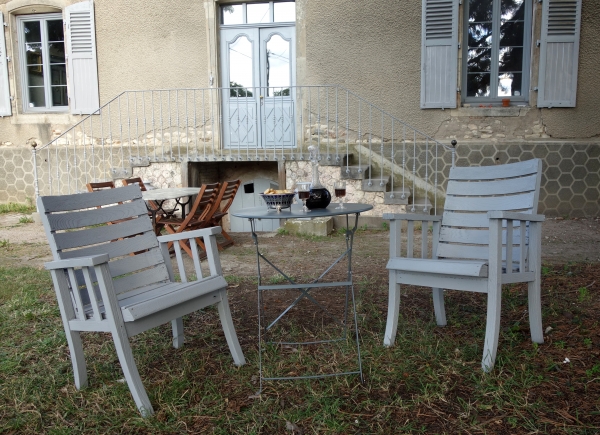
278 199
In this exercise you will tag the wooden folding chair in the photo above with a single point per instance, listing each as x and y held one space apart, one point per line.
221 207
151 204
101 185
197 216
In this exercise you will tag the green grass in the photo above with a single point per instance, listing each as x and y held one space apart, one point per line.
11 207
25 220
429 382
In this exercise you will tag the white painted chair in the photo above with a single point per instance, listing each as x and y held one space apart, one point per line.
131 273
485 207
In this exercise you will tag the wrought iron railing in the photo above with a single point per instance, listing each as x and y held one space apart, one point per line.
138 128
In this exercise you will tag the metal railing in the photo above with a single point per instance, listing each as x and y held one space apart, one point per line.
138 128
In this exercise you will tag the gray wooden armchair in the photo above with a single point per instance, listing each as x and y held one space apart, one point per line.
488 235
130 272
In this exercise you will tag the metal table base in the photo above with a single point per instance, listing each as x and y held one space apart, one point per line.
305 288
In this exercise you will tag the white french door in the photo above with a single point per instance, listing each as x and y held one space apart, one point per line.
258 64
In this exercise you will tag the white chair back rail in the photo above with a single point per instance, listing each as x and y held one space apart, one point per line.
489 222
104 241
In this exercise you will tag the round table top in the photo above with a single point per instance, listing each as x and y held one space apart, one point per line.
296 211
169 193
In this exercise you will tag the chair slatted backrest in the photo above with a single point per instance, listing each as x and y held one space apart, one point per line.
472 192
77 225
226 197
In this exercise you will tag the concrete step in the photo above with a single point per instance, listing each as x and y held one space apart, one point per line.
397 197
421 206
355 172
377 184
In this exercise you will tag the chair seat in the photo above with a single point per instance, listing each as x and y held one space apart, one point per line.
145 301
475 268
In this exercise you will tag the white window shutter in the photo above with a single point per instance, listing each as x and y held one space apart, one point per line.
559 53
439 54
5 109
81 52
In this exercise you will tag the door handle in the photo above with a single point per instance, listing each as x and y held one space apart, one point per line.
261 100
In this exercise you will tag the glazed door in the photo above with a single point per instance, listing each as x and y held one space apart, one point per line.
258 65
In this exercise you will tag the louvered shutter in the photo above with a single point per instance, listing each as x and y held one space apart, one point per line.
81 49
559 53
439 53
5 109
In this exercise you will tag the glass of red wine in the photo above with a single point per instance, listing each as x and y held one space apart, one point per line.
304 194
339 188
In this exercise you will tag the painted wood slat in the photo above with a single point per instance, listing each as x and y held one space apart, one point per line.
522 201
96 216
443 267
86 200
5 104
93 236
169 295
141 279
510 170
451 282
115 249
469 220
495 187
477 237
471 252
136 262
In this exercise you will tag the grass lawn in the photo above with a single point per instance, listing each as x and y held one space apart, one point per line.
429 382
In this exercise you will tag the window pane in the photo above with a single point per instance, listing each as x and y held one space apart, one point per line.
285 11
278 66
232 14
59 96
258 13
510 85
33 54
480 10
512 9
37 97
511 59
32 31
35 75
58 75
480 35
512 33
57 52
55 30
478 85
240 67
479 60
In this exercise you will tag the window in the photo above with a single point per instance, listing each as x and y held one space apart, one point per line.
257 13
496 50
43 63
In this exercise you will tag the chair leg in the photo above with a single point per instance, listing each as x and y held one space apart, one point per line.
438 306
228 240
535 311
132 376
178 336
229 330
77 358
492 328
393 311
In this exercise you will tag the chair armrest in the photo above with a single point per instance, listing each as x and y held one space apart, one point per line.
77 262
411 217
510 215
204 232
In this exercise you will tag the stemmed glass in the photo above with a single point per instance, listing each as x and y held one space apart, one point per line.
304 194
339 188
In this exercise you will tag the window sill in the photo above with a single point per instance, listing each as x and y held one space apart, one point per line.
42 118
495 111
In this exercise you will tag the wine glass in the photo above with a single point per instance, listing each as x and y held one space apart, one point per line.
304 194
339 188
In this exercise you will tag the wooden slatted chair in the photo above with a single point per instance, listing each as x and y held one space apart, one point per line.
131 294
197 217
488 235
221 208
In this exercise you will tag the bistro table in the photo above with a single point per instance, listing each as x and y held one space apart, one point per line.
159 196
296 212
